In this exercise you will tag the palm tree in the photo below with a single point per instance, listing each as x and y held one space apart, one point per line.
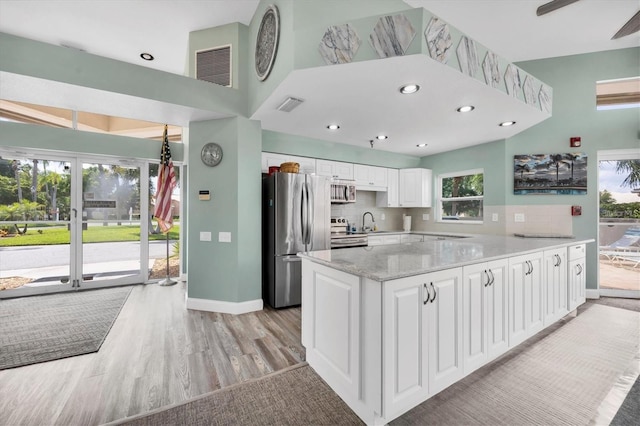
633 168
557 160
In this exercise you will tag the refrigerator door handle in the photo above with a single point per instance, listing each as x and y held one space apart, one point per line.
310 198
304 213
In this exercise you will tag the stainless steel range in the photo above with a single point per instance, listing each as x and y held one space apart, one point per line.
342 237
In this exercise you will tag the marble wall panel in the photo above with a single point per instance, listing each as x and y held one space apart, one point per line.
530 92
392 36
438 40
545 98
339 44
468 56
512 80
491 69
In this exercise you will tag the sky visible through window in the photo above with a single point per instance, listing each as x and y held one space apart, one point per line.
612 182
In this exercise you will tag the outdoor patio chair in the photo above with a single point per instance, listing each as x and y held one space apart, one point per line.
625 248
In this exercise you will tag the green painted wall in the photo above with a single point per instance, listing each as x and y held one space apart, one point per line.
308 147
225 271
489 156
26 57
573 79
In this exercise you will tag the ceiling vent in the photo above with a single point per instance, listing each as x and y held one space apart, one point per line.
214 65
289 104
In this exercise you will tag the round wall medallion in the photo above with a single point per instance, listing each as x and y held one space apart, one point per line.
211 154
267 42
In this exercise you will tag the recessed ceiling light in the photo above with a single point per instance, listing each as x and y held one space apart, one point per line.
421 145
333 127
381 137
466 108
409 88
507 123
147 56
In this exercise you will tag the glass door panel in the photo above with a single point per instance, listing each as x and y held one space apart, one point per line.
619 230
36 223
112 242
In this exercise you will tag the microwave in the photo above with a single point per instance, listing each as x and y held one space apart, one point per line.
343 192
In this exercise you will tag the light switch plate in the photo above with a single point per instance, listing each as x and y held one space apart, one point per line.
224 237
494 217
205 236
382 216
518 217
425 216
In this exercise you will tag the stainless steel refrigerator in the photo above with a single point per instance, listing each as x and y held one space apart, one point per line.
296 218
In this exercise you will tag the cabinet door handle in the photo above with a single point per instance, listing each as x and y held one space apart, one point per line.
426 290
579 269
435 293
488 279
493 279
559 260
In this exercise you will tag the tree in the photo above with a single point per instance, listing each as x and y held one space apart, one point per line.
606 199
633 168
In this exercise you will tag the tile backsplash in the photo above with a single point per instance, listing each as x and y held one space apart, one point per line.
366 202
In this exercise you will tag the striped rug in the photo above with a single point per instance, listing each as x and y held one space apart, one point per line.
558 377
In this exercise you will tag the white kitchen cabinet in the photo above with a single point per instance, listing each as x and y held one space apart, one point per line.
411 238
577 278
555 285
423 325
370 177
414 188
526 295
334 169
485 313
307 165
389 198
381 240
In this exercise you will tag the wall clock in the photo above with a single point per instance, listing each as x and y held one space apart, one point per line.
267 42
211 154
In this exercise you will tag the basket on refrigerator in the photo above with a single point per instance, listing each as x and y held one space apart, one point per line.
289 167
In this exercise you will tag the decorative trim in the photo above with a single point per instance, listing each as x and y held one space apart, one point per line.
223 307
608 292
592 294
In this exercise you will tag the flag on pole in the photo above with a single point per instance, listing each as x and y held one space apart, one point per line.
166 183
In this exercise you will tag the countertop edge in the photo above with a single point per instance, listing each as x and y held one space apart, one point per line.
350 269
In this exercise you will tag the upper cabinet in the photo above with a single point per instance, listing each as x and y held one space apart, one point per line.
307 165
414 189
334 169
370 177
389 198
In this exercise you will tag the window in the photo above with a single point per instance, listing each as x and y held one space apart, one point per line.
618 94
460 197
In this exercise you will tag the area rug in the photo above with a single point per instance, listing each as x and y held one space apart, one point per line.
43 328
558 377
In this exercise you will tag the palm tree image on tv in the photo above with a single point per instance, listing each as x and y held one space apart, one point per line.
550 174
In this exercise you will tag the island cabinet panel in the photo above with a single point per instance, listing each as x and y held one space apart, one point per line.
577 279
526 294
445 329
485 313
405 345
555 285
331 325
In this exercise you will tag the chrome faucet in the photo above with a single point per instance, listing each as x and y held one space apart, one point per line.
372 220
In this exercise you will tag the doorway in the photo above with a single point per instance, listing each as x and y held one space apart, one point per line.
71 223
619 223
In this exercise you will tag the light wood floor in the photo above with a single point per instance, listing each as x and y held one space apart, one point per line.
157 353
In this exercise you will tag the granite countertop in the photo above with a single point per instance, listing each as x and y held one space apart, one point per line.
388 262
426 233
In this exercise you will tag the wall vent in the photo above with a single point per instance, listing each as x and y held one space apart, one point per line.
214 65
289 104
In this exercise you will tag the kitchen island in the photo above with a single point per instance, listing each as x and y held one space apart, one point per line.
387 327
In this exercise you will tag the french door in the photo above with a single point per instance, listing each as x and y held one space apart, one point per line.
71 223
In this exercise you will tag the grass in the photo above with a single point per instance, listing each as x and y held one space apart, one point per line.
94 234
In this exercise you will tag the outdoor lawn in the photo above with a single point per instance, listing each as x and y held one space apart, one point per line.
94 234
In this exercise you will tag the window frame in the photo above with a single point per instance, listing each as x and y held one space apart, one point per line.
440 199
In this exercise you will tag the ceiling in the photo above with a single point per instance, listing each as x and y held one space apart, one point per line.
123 30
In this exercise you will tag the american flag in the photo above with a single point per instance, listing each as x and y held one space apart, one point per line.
166 183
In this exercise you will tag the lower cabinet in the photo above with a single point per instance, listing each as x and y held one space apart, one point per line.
485 313
410 238
555 285
526 297
577 278
422 331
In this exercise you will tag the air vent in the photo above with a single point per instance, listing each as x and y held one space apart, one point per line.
214 65
289 104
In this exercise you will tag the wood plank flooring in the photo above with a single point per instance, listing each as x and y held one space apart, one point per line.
157 353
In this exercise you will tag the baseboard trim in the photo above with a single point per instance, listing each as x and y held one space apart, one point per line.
235 308
592 294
